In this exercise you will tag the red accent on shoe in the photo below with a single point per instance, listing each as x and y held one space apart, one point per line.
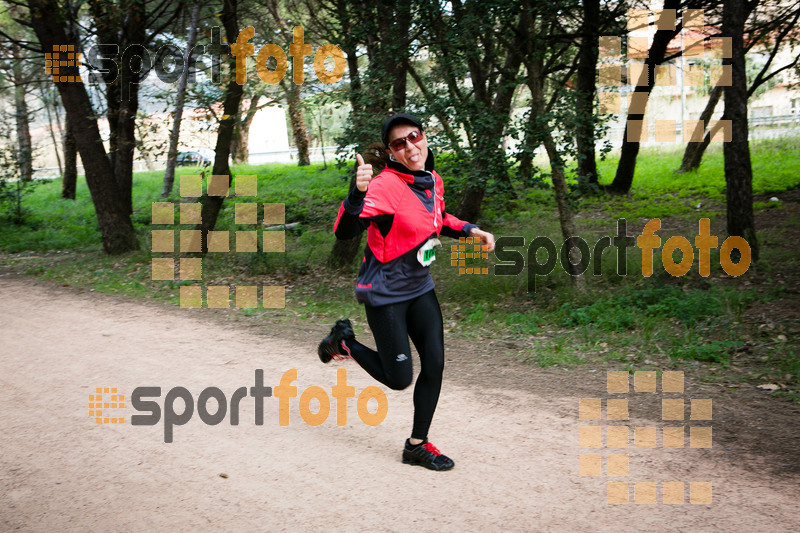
431 448
346 349
342 357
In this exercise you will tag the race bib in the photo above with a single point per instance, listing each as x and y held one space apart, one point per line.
427 252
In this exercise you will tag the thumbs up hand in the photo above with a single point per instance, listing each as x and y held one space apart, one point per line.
363 174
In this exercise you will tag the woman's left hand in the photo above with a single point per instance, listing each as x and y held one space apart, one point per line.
486 238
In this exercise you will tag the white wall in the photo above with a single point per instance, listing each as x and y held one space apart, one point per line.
268 132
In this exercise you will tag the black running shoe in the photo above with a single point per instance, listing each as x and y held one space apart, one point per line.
333 346
426 454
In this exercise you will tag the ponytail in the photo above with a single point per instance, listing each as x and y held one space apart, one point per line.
376 156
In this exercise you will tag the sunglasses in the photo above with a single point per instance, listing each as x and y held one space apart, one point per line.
400 144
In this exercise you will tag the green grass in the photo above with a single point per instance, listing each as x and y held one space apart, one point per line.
56 224
657 192
623 310
65 237
775 164
617 321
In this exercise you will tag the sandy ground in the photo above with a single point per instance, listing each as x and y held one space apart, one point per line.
516 448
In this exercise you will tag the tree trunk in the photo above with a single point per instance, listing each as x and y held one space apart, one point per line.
694 151
529 143
533 129
299 132
738 172
489 159
400 54
322 142
24 145
240 144
469 208
630 149
134 33
531 138
560 189
566 217
586 89
144 153
222 150
241 135
107 23
112 117
452 135
344 251
126 144
174 136
112 216
47 102
70 179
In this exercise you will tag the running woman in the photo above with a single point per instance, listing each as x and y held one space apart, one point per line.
403 210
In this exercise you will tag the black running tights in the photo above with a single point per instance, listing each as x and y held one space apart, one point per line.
392 325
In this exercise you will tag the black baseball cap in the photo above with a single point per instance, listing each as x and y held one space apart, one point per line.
394 120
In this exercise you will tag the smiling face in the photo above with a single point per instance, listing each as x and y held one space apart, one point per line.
412 156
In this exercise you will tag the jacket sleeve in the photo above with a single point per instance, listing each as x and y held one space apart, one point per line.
359 209
348 223
454 227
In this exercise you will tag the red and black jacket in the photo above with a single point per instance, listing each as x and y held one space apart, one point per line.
402 209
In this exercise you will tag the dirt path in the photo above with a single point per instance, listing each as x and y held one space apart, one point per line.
516 451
